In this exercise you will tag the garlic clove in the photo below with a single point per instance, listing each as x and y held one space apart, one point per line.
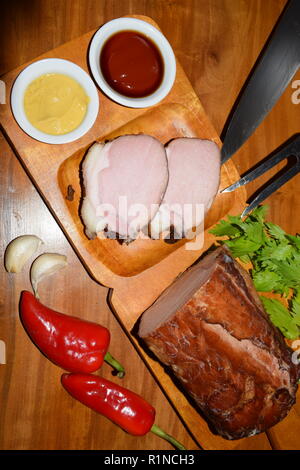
43 266
19 251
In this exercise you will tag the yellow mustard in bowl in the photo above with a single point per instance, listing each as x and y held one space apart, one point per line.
55 103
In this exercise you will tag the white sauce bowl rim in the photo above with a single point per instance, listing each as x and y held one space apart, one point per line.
133 24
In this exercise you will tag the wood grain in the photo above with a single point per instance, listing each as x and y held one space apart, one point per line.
128 270
165 122
36 413
179 114
217 44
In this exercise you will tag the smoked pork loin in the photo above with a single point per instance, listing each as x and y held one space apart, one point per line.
124 182
211 329
194 178
133 186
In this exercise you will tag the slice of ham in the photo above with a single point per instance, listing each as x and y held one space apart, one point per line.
194 177
124 182
211 329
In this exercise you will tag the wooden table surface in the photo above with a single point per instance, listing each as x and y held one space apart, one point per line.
217 43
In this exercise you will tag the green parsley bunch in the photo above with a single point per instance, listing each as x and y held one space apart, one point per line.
275 259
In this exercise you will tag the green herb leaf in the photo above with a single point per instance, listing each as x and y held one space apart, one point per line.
275 259
245 259
280 317
242 246
295 240
289 271
259 213
266 281
255 232
279 252
295 308
276 231
225 228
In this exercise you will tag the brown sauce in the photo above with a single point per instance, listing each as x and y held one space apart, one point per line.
132 64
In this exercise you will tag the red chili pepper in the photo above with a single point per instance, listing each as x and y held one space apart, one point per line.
122 406
75 345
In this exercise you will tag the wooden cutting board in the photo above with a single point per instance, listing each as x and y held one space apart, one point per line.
137 273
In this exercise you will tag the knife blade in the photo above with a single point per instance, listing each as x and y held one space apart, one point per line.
278 64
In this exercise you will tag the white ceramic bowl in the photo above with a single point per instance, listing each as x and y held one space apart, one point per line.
41 67
133 24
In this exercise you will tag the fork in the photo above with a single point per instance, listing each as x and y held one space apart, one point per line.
290 148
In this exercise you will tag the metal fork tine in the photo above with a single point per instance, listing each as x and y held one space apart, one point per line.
272 187
291 148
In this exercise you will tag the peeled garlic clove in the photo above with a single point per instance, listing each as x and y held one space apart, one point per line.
45 265
19 250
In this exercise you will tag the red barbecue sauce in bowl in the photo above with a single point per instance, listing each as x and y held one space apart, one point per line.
131 64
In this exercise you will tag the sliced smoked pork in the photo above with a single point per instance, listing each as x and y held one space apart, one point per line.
124 182
194 177
210 328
